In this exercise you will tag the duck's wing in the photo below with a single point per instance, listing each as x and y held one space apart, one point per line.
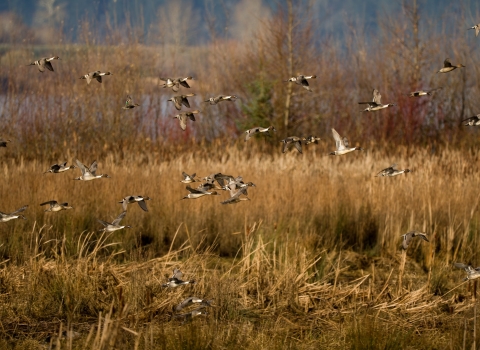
41 65
205 187
82 167
184 83
461 266
474 118
387 170
338 140
93 168
193 190
248 134
303 81
298 146
119 218
377 98
241 191
143 205
177 274
447 63
185 175
185 303
345 142
49 203
55 167
20 210
49 66
190 115
104 223
185 102
423 236
229 200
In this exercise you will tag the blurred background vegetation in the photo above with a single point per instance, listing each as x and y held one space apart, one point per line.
242 47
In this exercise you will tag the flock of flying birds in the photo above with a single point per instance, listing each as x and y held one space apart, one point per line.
237 188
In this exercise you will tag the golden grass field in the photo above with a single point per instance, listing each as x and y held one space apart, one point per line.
313 260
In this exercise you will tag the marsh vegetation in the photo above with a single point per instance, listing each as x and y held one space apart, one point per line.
313 260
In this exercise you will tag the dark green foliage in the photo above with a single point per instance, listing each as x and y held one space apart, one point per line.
258 110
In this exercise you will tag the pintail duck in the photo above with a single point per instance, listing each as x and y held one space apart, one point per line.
392 171
187 317
115 225
193 300
376 104
472 121
302 80
59 168
129 103
342 145
135 199
312 139
296 141
250 132
208 186
175 83
3 143
4 217
89 173
55 206
180 100
238 183
94 75
222 179
175 280
472 273
407 237
220 98
188 178
448 67
235 197
197 193
477 29
183 117
43 63
423 92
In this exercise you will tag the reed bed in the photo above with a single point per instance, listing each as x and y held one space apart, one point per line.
313 259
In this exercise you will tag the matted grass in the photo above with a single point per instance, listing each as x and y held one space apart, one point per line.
312 260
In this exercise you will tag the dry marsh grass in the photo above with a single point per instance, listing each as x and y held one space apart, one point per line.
313 260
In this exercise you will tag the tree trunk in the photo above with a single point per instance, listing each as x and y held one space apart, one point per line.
286 116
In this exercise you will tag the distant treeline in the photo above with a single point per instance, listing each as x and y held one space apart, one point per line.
57 111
